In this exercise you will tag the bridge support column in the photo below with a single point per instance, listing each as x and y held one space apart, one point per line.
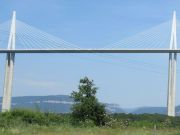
172 72
172 84
8 81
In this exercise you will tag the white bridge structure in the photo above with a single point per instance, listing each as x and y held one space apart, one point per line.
41 42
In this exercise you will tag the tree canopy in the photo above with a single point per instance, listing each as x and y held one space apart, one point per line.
86 105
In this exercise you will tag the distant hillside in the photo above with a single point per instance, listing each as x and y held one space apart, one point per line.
150 110
63 103
178 110
114 108
153 110
57 103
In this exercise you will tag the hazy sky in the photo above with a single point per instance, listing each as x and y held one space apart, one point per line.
92 24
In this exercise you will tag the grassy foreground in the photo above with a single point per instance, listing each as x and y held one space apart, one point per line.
44 130
28 122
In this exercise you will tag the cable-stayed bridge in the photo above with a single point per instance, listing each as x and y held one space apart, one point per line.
23 38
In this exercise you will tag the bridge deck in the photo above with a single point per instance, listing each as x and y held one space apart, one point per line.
90 51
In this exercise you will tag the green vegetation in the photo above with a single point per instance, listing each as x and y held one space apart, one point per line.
20 122
56 130
88 117
87 109
20 118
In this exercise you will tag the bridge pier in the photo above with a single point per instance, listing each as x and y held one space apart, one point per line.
172 72
172 85
6 105
10 57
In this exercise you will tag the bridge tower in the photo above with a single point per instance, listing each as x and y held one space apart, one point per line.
172 71
6 104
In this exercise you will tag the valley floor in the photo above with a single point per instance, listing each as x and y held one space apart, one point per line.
39 130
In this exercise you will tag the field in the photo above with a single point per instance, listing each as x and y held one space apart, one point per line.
43 130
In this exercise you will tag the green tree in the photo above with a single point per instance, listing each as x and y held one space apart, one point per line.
87 107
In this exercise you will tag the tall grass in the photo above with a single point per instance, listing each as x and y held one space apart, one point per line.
28 122
61 130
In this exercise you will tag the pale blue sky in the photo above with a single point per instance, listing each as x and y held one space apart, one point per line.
91 24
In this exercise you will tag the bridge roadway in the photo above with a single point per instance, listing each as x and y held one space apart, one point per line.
90 51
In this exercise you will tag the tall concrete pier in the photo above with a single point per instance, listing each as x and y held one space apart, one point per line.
6 104
172 71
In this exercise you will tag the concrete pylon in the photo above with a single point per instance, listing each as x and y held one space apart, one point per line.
8 81
172 71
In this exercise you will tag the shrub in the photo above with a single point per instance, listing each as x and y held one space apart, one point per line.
86 105
29 117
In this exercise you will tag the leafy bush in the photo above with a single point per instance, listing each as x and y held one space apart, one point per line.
87 107
29 117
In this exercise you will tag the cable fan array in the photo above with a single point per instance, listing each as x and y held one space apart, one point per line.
155 37
29 37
